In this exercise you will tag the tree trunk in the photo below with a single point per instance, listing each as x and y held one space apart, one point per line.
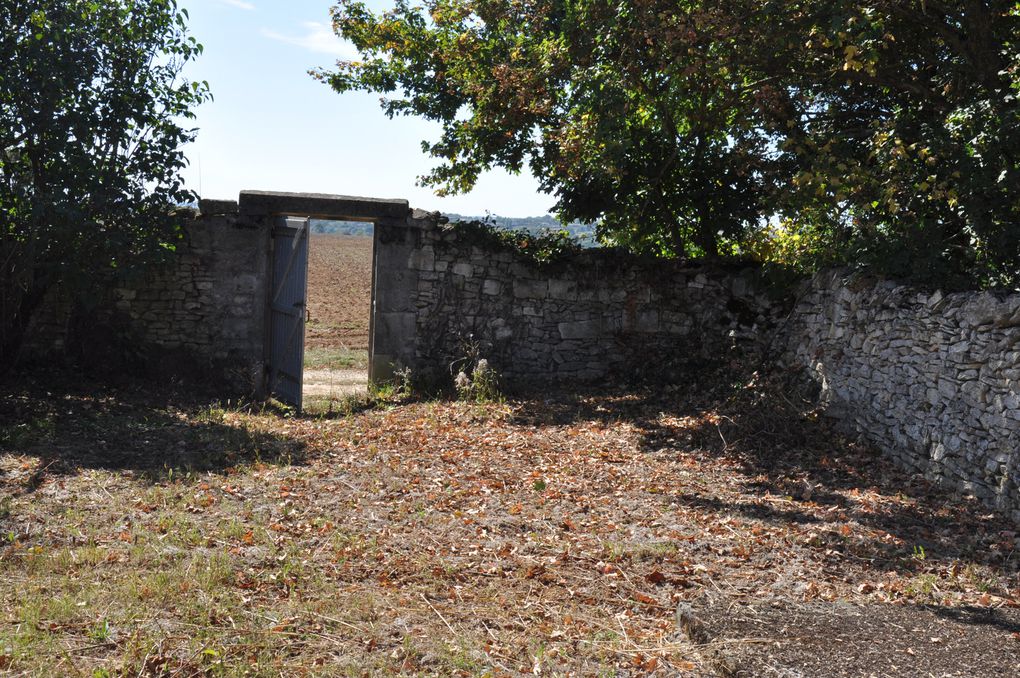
705 237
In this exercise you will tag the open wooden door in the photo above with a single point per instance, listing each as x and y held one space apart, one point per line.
287 309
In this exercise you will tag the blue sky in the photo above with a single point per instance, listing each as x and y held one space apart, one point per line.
272 127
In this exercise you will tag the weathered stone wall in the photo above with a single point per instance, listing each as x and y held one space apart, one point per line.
210 304
447 292
931 379
202 314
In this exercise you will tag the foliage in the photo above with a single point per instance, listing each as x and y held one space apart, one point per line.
90 145
634 115
883 132
475 380
907 135
539 248
481 386
583 234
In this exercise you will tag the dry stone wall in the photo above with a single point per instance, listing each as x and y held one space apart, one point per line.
210 304
931 379
202 314
598 313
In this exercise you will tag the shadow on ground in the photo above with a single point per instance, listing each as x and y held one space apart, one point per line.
70 422
793 466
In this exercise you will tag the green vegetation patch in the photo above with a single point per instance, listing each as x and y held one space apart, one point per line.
330 358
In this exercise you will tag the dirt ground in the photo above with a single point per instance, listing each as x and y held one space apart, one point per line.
334 383
718 527
339 291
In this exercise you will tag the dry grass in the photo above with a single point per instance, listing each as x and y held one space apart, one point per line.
148 537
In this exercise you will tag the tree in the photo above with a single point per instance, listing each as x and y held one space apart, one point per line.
91 101
908 135
642 117
883 132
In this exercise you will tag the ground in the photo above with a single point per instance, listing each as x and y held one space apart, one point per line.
720 527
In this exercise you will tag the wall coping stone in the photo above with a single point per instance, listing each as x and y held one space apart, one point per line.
322 206
209 207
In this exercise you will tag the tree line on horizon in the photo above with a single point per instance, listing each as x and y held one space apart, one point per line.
539 225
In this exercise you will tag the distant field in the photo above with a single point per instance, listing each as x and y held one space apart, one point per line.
339 298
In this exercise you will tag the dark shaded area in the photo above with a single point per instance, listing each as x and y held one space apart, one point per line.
102 345
70 421
1007 620
837 640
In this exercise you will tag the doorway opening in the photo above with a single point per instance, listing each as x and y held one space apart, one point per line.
342 310
339 309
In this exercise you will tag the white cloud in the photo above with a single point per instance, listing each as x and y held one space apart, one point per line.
317 37
240 4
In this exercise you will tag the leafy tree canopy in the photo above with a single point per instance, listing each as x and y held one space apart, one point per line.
883 131
91 105
908 137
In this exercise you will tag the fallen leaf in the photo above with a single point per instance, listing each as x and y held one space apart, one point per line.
656 577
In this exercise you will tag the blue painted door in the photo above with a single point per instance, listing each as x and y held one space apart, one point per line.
287 304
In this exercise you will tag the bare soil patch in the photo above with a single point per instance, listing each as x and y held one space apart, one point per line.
335 383
716 528
329 389
339 291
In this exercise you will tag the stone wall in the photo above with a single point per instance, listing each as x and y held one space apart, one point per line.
209 305
449 294
931 379
201 315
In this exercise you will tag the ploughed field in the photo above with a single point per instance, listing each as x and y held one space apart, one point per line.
339 297
719 527
336 335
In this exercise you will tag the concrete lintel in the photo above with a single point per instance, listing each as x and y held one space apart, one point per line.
321 206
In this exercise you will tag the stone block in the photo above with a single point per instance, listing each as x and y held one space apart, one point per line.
395 329
584 329
562 289
265 203
531 289
463 269
423 259
208 207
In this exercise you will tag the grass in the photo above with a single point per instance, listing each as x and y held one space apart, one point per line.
318 358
